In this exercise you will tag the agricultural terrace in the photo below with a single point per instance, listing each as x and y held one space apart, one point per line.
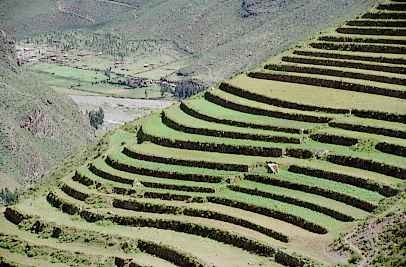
190 185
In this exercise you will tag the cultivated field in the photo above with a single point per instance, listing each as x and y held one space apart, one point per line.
189 186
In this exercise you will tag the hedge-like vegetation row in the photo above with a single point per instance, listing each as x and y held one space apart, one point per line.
377 23
350 200
193 163
228 134
369 165
375 58
369 129
347 179
334 139
375 31
276 102
391 149
258 111
109 176
336 73
336 84
350 39
301 203
160 208
161 173
293 219
384 15
74 193
211 147
198 115
344 64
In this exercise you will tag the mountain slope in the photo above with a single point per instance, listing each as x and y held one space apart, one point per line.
216 38
38 127
269 168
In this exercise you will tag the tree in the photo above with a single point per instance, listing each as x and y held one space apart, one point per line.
107 72
8 197
163 91
187 88
96 118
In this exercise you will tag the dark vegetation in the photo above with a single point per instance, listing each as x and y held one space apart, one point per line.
96 118
8 197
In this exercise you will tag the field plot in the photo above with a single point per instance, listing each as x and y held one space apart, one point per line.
197 185
73 81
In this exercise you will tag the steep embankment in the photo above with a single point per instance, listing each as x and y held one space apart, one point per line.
37 128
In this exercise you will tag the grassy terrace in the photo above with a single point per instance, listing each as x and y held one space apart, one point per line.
342 83
331 113
233 102
385 58
313 201
154 128
387 125
239 237
343 170
66 252
175 118
344 72
141 185
102 166
202 248
336 187
120 157
349 63
350 190
277 207
151 149
338 37
212 111
151 205
332 98
375 138
277 193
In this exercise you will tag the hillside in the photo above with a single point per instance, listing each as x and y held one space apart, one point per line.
38 128
209 40
298 162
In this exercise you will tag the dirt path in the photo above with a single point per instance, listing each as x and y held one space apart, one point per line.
117 3
60 5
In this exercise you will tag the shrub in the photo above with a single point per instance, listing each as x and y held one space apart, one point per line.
8 197
96 118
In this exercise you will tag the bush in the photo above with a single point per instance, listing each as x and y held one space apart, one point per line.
96 118
8 197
